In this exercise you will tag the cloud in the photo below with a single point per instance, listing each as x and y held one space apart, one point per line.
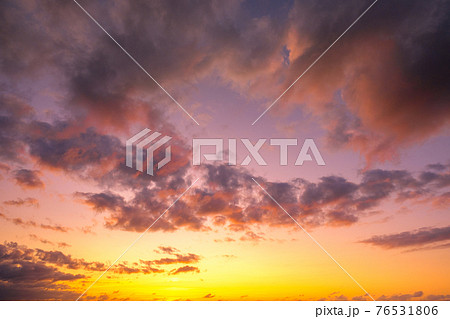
60 259
146 206
62 229
436 167
63 245
26 178
429 247
39 291
13 112
102 201
167 249
415 296
361 298
419 237
29 201
30 223
36 274
123 268
384 68
46 241
32 271
24 277
104 96
401 297
381 88
25 271
237 204
184 269
179 259
438 297
339 218
42 240
208 296
380 71
251 236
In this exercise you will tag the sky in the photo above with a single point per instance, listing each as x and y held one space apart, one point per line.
372 223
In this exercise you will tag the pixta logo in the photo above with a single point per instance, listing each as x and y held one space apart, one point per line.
149 142
308 148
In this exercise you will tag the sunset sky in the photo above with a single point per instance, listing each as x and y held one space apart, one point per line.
377 105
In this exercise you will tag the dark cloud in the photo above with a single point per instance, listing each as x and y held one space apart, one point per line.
181 216
37 274
136 215
437 167
332 201
103 93
379 184
227 178
143 210
26 271
329 189
386 66
382 87
419 237
60 259
26 178
102 84
440 180
102 201
13 112
25 277
339 218
37 291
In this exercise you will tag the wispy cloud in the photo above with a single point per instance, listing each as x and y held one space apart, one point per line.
184 269
29 201
418 237
30 223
